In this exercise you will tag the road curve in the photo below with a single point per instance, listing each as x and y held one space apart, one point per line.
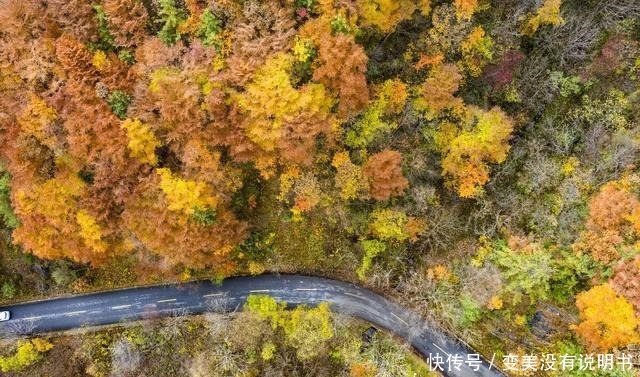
446 354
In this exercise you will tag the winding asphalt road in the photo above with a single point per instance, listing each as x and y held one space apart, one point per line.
446 354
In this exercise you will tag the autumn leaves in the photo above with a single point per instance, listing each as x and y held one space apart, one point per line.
136 133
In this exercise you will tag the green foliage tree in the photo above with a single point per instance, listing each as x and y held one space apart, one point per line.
170 16
119 102
526 273
372 249
470 313
210 29
6 211
106 39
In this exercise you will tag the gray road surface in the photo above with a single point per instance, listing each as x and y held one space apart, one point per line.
445 353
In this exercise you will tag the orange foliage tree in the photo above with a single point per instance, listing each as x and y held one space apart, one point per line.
264 30
438 91
129 18
614 215
74 17
465 8
340 66
182 230
76 59
384 174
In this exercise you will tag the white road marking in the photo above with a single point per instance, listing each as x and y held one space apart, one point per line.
306 289
401 320
120 307
438 347
168 300
31 318
75 313
213 295
351 294
259 290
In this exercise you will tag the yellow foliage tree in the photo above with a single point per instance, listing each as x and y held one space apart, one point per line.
185 196
349 178
271 104
607 320
306 329
142 141
389 224
425 7
90 231
547 14
468 150
476 50
390 100
36 120
372 249
100 60
385 14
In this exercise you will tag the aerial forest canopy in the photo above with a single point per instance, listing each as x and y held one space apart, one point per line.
483 152
128 124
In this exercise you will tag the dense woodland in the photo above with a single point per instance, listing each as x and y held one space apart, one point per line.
476 160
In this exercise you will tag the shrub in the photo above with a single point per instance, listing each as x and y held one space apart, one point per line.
28 353
372 249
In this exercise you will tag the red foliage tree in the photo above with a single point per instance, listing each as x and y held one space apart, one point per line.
500 75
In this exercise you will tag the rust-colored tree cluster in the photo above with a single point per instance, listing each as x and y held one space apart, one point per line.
614 217
384 172
90 99
626 281
132 126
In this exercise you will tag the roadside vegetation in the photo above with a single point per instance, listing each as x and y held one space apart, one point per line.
263 340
